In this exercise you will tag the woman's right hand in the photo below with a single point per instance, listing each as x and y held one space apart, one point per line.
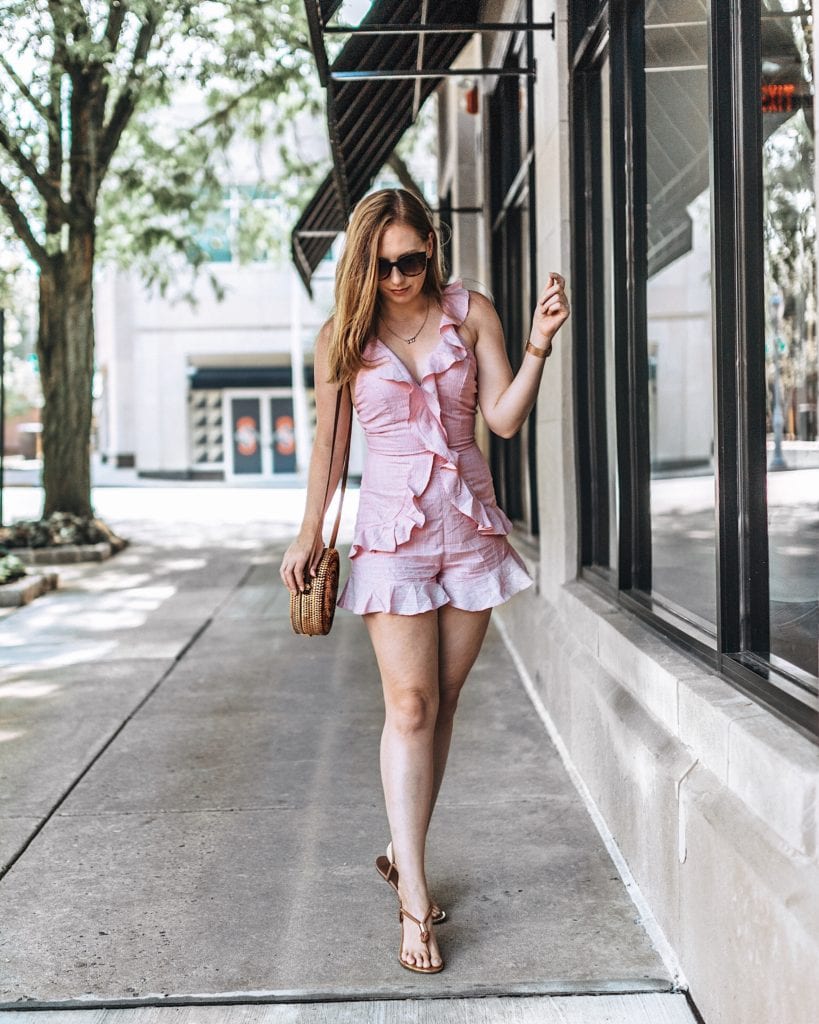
301 557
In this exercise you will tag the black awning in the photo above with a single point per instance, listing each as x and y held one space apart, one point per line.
203 377
367 116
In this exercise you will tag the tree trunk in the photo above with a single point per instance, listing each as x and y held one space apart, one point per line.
65 348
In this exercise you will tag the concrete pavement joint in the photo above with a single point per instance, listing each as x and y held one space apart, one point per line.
4 870
154 811
587 987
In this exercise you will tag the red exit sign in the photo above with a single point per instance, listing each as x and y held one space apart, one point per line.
779 99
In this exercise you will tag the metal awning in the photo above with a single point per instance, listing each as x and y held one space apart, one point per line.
388 67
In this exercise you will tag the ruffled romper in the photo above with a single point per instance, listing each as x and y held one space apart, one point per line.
429 530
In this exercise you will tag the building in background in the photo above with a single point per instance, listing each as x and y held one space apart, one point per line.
664 490
221 389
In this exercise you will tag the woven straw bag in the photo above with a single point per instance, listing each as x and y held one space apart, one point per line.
312 611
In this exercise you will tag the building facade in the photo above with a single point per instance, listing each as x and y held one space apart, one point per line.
221 390
660 154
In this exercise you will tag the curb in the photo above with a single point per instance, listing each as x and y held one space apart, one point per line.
24 590
64 553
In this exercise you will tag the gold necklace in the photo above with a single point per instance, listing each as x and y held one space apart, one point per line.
409 341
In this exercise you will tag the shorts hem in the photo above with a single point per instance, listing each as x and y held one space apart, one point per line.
370 604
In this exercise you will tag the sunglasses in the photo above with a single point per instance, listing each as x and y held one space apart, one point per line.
410 265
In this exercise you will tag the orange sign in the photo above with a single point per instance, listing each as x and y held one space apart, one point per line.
779 98
247 435
285 435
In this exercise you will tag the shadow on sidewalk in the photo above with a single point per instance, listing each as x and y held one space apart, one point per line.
203 793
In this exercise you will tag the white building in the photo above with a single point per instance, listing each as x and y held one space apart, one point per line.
221 390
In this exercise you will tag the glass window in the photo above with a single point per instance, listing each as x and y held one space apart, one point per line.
598 411
657 309
214 242
512 460
789 176
678 309
607 311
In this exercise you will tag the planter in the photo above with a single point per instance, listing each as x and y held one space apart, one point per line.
24 590
60 554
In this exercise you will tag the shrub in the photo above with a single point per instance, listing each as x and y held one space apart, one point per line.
58 529
11 568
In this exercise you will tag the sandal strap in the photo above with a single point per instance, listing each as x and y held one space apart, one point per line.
392 870
403 912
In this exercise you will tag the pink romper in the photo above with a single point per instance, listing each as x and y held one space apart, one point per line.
429 530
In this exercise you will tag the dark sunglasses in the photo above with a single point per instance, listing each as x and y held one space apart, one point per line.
410 265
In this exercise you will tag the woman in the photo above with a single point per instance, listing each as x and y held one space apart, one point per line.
429 557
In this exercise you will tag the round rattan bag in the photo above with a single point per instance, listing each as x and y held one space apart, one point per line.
312 611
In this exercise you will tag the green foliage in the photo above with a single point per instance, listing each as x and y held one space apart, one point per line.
180 83
11 568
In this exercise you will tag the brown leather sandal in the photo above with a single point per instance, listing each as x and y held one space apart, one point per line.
385 866
402 913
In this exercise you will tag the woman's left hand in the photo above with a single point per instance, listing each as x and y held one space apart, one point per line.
551 312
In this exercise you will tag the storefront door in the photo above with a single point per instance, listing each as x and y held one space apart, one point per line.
262 438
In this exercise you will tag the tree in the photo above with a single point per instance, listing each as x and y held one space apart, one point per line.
89 164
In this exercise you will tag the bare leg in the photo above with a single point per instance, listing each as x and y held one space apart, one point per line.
406 648
460 636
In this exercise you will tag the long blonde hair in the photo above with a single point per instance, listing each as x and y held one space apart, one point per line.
356 288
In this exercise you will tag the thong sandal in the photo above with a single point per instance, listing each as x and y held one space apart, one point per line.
402 913
385 866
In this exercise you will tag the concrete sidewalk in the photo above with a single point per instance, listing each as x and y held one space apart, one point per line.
190 809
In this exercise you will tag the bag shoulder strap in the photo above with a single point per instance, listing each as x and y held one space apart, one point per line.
337 523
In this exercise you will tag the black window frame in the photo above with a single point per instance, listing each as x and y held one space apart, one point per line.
738 650
511 182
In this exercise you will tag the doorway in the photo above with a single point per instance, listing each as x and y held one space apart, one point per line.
262 439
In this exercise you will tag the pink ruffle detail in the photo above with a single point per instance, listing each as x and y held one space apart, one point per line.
427 424
388 535
406 598
455 304
490 518
398 598
496 587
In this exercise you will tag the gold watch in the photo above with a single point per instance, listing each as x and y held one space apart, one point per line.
541 353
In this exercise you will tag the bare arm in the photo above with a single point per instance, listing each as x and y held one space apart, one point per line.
506 399
303 554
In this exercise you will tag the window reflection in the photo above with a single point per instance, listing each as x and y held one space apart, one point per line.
608 312
678 293
789 175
